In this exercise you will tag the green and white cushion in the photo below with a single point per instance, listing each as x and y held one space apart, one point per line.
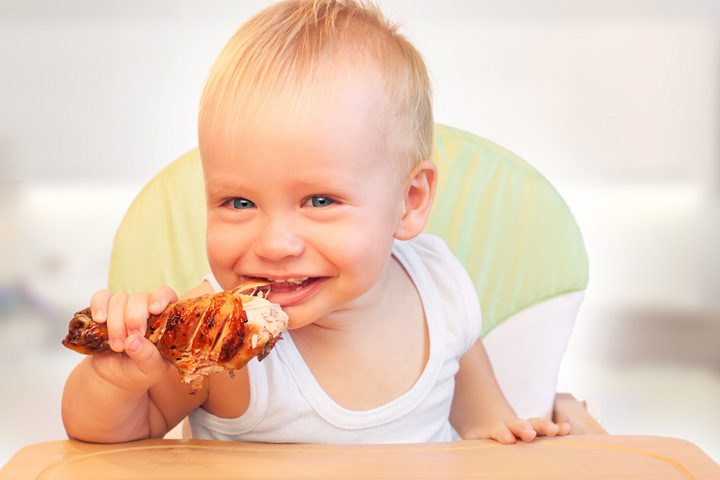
524 252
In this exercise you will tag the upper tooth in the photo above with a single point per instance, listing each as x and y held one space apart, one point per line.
291 280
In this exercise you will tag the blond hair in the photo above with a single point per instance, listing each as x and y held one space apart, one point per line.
281 50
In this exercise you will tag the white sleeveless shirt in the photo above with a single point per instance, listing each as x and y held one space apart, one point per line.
288 405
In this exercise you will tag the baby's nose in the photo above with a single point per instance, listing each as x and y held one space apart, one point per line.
277 242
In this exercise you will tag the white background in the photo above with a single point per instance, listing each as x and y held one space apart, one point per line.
616 102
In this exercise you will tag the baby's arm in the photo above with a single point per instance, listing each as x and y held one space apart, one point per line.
480 410
122 397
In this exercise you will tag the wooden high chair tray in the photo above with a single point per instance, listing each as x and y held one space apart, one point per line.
601 456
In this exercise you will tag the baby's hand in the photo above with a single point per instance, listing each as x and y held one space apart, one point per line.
507 431
126 317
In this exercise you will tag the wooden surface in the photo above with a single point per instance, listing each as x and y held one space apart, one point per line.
587 457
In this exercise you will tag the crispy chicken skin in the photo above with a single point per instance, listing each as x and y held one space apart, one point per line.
203 335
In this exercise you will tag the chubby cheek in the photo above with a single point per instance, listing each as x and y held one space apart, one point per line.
362 260
222 253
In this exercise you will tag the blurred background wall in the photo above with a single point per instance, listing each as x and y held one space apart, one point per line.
616 102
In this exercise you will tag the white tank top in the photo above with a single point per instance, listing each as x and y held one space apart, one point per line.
288 405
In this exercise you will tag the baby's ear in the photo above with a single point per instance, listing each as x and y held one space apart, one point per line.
418 193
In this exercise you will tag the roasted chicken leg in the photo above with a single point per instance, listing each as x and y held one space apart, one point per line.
202 335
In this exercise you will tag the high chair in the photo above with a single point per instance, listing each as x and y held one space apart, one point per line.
504 221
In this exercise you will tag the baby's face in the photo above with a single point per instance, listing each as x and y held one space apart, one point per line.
311 205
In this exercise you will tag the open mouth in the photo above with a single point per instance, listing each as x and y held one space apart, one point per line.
286 284
291 284
290 291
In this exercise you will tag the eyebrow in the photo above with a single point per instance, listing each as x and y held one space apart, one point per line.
332 180
213 188
323 183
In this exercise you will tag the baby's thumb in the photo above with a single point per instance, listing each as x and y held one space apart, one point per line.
147 358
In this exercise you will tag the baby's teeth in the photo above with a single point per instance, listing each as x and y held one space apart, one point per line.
291 280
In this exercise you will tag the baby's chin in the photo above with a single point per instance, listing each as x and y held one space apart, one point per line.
297 318
310 313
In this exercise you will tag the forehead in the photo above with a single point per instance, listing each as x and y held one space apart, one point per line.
341 119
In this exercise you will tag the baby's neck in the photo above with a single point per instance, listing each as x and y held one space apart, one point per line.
351 350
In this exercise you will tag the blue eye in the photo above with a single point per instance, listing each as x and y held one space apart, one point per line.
241 203
320 201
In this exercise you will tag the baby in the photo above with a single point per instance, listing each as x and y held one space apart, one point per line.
315 133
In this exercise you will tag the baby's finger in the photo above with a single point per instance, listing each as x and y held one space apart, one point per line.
544 426
116 321
160 298
136 313
502 434
99 305
522 429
